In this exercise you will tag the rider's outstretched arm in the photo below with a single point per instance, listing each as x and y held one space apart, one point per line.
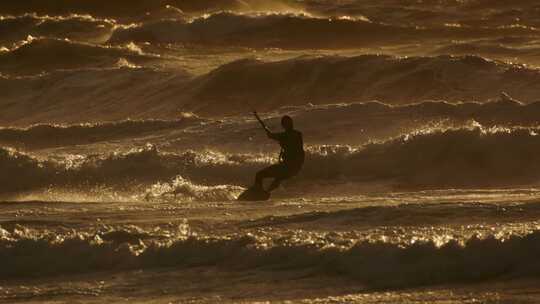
268 132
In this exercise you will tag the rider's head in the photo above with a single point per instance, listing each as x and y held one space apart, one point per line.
287 122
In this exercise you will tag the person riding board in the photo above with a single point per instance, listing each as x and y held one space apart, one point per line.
291 157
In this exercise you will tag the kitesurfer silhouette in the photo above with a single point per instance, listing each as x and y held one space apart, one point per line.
291 157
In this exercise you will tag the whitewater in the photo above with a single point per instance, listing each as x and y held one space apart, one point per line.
126 136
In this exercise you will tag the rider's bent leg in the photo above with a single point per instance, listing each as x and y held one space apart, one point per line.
274 171
277 181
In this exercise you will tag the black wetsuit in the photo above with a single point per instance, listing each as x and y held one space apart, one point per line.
291 158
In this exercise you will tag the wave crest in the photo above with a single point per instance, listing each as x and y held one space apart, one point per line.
297 31
376 264
44 54
389 79
465 157
73 27
50 135
228 89
127 10
183 189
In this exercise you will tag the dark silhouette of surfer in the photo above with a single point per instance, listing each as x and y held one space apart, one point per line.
291 157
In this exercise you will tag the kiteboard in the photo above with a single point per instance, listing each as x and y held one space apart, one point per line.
254 194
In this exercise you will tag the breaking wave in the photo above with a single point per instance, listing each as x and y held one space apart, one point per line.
185 190
465 157
140 169
377 264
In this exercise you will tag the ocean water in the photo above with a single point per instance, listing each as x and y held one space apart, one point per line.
126 135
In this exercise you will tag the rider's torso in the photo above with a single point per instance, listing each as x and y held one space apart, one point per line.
292 147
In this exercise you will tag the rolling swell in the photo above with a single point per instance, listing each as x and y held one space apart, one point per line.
47 135
419 215
44 54
428 13
492 50
73 27
467 157
377 121
376 264
127 10
297 32
92 95
331 79
356 124
284 31
367 121
110 93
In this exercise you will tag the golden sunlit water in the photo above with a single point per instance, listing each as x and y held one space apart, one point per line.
127 135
